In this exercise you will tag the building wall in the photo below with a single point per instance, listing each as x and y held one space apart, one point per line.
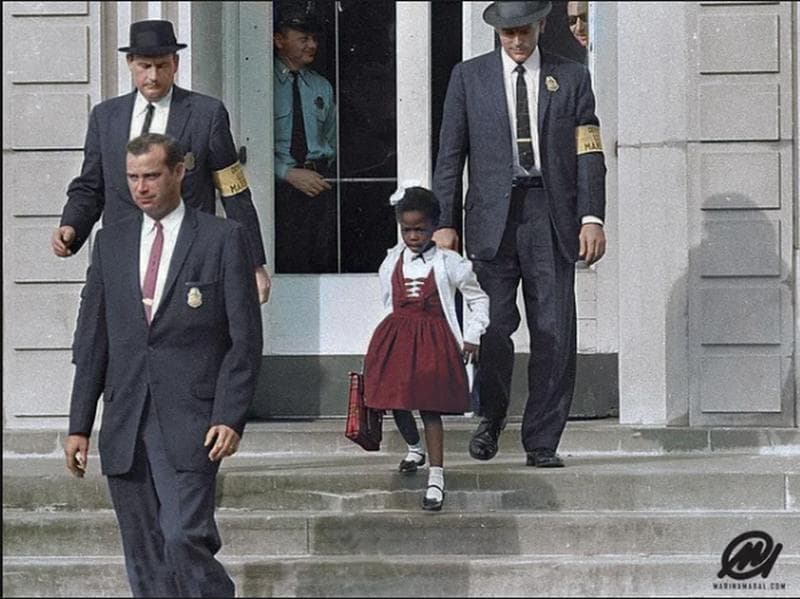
706 204
53 59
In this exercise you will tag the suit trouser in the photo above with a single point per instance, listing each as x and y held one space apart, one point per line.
166 519
305 231
529 253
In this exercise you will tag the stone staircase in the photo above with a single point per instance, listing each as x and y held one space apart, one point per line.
303 512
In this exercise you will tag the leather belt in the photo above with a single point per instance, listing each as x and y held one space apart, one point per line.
527 182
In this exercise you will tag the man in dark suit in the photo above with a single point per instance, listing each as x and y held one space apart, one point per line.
169 331
535 203
199 122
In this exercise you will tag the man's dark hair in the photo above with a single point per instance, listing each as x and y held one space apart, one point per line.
421 200
130 55
143 144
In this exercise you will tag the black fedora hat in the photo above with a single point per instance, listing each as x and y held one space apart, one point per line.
152 38
515 14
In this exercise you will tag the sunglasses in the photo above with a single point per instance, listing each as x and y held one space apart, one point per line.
574 18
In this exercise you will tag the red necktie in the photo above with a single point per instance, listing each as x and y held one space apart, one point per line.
149 285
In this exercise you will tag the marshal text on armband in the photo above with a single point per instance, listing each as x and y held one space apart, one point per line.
230 181
587 139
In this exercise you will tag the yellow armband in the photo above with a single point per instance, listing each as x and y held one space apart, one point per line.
587 139
230 181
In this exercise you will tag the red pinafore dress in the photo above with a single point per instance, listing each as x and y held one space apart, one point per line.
413 361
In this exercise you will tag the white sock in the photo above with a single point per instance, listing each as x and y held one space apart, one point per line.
415 453
435 477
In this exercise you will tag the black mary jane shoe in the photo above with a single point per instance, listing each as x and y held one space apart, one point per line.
432 505
411 465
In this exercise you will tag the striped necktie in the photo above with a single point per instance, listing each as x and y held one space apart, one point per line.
524 141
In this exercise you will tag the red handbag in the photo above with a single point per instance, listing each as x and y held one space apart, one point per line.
364 425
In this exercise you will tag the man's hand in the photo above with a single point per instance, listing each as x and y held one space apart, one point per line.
226 444
592 243
470 353
61 240
76 450
309 182
446 238
263 283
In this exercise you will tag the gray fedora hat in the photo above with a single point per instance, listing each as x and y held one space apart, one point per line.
515 14
152 38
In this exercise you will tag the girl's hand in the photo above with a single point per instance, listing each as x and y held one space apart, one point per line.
470 352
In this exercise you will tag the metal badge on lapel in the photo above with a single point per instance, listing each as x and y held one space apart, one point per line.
188 161
194 298
551 84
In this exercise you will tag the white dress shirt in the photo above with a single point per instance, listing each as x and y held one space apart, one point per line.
533 68
172 225
160 114
417 268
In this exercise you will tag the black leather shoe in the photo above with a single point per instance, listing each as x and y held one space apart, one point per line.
483 445
411 465
544 458
432 505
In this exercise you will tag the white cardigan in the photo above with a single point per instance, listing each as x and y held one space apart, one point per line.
452 272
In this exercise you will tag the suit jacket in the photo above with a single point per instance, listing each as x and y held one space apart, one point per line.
198 364
476 124
200 123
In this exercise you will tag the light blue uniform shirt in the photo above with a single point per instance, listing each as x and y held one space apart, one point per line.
319 117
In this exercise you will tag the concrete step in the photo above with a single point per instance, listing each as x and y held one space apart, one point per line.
269 533
368 482
445 576
582 437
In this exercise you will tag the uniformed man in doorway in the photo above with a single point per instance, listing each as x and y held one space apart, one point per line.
305 150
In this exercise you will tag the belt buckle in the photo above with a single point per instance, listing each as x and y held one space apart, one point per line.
527 182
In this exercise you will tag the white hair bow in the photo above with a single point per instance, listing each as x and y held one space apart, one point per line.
401 190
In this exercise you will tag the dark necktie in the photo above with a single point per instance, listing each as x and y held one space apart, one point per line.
151 275
298 150
524 141
148 118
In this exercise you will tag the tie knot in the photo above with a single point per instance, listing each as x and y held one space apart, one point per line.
519 69
157 226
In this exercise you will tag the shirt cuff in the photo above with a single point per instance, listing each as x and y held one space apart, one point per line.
588 219
281 170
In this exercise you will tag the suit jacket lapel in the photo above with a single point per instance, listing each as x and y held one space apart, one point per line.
180 110
130 240
547 70
186 237
119 131
495 93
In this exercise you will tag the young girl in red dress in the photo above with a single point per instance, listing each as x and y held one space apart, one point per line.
415 359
